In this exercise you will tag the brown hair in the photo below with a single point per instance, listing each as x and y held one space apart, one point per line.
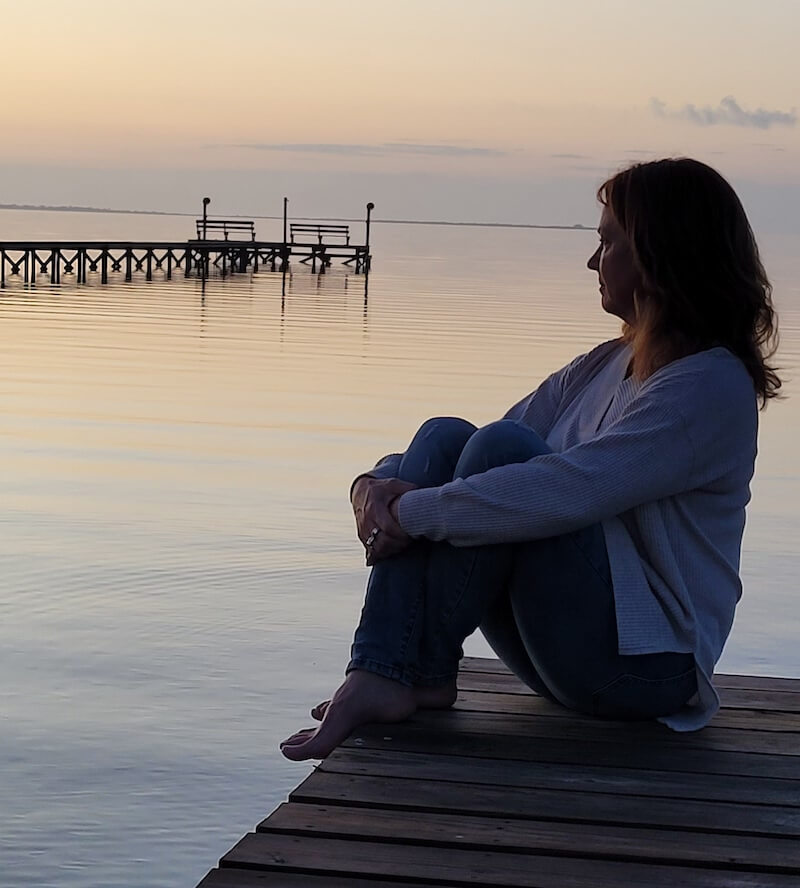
703 284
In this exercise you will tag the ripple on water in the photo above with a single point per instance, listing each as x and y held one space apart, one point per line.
179 578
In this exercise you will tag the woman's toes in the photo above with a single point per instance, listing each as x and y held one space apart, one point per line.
318 712
314 743
300 751
362 697
299 737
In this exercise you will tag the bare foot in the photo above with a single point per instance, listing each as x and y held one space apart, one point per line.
436 697
362 697
319 710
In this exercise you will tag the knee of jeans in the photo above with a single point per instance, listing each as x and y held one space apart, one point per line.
446 430
497 444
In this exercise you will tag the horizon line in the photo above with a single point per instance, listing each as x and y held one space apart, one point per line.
61 208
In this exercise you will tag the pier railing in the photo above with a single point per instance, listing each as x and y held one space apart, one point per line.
29 260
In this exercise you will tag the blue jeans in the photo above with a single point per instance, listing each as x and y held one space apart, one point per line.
546 607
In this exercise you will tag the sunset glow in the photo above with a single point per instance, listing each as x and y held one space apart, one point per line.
406 104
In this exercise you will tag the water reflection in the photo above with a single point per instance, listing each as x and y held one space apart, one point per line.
180 573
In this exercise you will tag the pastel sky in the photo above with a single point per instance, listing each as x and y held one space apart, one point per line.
488 110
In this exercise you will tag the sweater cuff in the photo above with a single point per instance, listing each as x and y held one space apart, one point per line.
386 468
420 513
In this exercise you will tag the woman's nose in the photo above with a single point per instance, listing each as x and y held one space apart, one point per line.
593 263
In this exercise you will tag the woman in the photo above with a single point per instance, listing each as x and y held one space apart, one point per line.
594 533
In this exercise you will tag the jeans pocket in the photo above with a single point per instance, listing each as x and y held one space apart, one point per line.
630 697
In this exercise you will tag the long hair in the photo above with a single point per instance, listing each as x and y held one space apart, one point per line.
703 283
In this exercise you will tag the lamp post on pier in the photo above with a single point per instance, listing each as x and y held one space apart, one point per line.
285 248
370 208
206 202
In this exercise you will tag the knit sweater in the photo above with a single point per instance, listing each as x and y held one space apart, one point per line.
664 466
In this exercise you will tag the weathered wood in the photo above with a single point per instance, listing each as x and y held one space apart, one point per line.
478 772
245 878
523 704
598 840
508 789
655 736
469 867
666 756
721 680
556 805
736 698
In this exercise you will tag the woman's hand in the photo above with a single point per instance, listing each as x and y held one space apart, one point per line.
374 507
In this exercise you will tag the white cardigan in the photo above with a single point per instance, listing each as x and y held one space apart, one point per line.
665 466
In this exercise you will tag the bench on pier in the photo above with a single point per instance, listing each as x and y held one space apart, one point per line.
319 231
226 227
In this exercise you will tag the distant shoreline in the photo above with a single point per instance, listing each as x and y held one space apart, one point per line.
71 209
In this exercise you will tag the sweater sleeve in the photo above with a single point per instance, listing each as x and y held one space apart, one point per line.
649 453
386 467
539 409
540 406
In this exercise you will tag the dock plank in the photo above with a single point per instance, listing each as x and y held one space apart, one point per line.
654 735
508 789
562 776
600 840
557 805
493 666
248 878
490 869
732 698
666 756
520 704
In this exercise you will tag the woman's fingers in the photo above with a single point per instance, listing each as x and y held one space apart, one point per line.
377 528
385 549
384 541
377 515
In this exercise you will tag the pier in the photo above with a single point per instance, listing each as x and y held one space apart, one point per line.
508 789
57 259
316 244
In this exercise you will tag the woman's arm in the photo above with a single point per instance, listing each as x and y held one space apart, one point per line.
679 434
540 407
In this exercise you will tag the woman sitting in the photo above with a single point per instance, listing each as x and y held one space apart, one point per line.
594 533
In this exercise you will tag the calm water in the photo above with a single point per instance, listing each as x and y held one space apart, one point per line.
180 578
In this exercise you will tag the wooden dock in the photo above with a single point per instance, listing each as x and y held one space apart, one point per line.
510 790
30 260
224 246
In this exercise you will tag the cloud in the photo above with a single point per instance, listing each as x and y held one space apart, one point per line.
728 113
571 156
377 150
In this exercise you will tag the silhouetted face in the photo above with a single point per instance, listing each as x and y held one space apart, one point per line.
613 262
